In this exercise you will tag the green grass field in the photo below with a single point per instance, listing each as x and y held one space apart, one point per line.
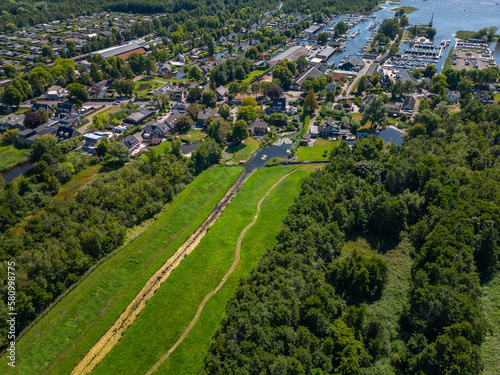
243 151
315 153
465 34
61 338
193 135
496 98
171 309
141 88
491 305
256 73
12 155
78 181
407 9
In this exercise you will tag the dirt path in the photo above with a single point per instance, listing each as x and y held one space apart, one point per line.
113 335
222 282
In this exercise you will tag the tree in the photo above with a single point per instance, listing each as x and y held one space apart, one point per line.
389 27
249 101
194 73
375 111
12 96
239 73
274 91
224 111
417 73
32 120
234 88
207 153
256 88
208 98
310 101
78 91
302 62
247 113
183 124
43 145
361 85
322 38
118 154
429 71
11 135
283 74
102 147
431 33
194 94
218 129
240 131
340 29
43 114
10 70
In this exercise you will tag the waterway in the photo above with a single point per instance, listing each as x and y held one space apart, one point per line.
11 174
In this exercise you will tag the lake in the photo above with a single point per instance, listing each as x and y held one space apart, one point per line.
449 17
11 174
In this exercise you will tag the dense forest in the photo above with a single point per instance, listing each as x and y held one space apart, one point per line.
304 308
61 237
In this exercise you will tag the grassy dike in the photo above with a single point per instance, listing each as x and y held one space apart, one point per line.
61 338
171 309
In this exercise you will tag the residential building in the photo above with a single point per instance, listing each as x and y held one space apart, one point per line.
12 121
55 93
204 116
138 117
258 127
131 142
312 72
64 133
452 95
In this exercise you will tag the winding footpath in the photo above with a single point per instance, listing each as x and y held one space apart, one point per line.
222 282
95 355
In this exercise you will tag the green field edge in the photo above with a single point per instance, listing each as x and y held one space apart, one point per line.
175 304
85 314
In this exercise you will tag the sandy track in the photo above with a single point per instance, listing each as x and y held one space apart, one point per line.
222 282
113 335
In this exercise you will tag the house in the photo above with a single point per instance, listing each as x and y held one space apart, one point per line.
409 104
304 141
312 72
204 116
47 107
386 81
346 105
137 117
364 102
180 107
483 97
332 86
172 120
180 59
394 109
452 95
55 93
12 121
91 140
154 130
329 129
233 37
64 133
352 63
279 105
405 76
66 107
164 68
28 136
177 93
258 127
72 120
221 92
131 142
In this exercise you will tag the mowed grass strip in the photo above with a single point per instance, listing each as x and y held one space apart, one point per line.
60 339
173 307
317 152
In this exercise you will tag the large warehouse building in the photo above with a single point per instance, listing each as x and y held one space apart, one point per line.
120 51
291 54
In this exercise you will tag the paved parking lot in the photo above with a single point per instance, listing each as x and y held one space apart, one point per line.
482 58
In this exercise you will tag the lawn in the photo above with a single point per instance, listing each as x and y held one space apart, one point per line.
316 152
491 346
141 88
61 338
12 155
169 79
243 151
193 135
173 306
256 73
465 34
407 9
496 98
